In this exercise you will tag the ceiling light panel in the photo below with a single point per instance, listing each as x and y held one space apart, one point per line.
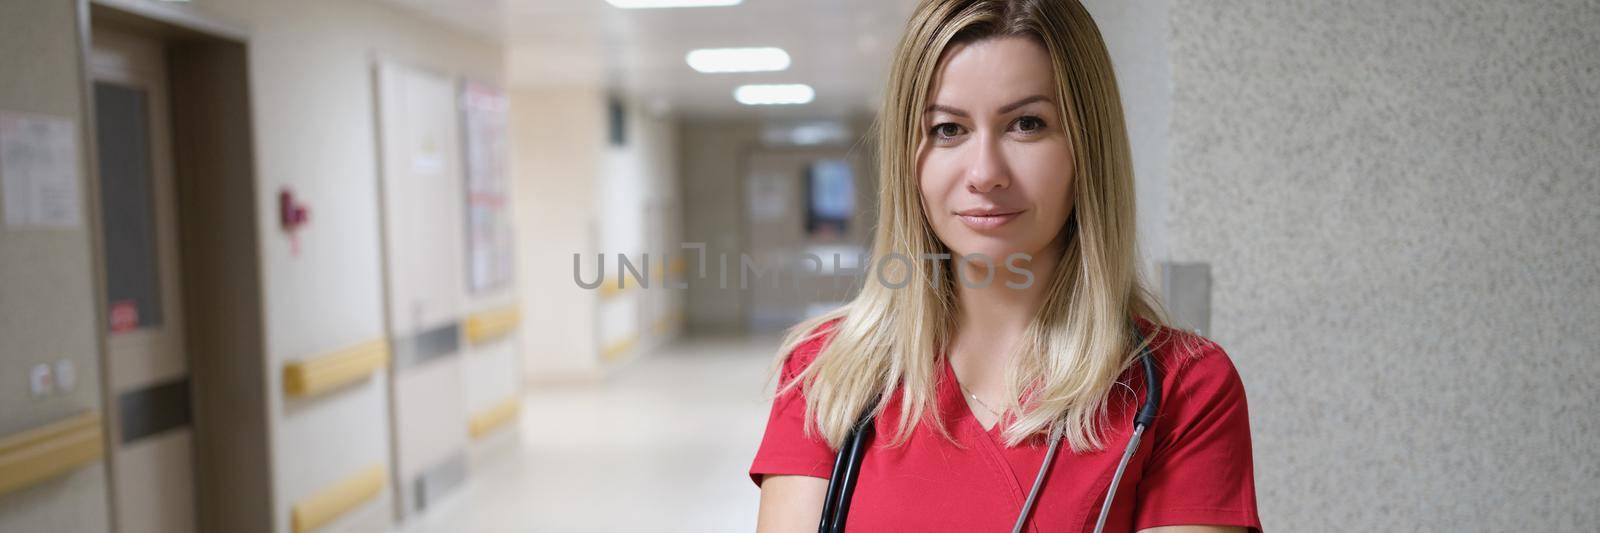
654 4
783 94
717 60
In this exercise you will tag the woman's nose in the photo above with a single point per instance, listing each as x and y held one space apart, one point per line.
988 169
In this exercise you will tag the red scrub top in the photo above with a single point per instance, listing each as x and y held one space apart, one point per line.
1193 466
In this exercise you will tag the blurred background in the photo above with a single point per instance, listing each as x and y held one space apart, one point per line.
324 265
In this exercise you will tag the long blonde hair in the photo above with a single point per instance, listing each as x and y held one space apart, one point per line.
1080 339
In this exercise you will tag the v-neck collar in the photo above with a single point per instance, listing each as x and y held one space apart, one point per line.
988 443
962 410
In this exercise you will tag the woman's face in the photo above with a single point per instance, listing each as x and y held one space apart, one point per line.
994 167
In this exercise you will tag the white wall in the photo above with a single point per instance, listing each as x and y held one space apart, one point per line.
578 194
636 207
557 140
47 295
1136 35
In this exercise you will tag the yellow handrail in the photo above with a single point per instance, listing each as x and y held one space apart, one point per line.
486 421
615 350
490 325
45 452
321 374
331 502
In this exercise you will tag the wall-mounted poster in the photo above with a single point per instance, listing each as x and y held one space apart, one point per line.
830 197
39 171
489 240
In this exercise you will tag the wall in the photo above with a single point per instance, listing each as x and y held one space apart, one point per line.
215 177
713 213
776 232
1136 35
319 138
664 316
47 299
312 89
557 135
1398 201
636 203
716 158
577 194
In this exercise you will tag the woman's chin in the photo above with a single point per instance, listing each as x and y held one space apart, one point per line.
996 252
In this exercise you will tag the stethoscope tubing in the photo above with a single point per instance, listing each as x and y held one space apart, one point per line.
847 465
1116 479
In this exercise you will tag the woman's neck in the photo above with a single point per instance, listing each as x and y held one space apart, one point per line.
991 319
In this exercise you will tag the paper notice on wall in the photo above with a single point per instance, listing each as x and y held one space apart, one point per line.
427 159
39 171
768 196
489 243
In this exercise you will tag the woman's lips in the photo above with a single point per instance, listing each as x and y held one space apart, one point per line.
987 220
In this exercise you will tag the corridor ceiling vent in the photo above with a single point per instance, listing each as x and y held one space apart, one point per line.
655 4
778 94
720 60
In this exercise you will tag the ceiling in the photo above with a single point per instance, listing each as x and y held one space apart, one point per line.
839 47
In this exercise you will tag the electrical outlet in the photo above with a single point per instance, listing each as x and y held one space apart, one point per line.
40 381
66 376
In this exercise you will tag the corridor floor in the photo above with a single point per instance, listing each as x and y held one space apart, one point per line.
662 446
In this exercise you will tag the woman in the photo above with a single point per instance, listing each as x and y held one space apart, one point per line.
1002 137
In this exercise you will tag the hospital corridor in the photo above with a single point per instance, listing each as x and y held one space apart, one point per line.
459 266
662 447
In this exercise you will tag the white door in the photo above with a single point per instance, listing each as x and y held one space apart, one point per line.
147 371
425 266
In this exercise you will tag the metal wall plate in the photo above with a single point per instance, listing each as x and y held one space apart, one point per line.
434 483
153 410
1186 293
442 341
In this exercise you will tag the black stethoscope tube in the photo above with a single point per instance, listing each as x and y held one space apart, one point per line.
847 464
842 486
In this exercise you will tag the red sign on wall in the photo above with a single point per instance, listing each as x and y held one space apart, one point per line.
124 316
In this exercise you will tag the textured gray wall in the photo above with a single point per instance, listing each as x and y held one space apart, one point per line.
47 292
1401 204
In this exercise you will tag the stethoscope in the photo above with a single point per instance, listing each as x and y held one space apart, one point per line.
847 465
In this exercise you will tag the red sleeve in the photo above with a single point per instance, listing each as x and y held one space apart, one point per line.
785 448
1200 471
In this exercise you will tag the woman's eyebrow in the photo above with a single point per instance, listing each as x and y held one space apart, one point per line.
1003 109
1025 101
946 109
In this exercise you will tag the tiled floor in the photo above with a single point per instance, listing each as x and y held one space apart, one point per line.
662 446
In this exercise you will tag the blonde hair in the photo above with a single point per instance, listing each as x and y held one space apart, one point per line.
1080 339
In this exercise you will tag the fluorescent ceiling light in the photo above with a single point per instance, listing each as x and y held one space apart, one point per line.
774 94
764 59
649 4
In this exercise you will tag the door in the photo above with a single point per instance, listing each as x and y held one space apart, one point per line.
147 370
422 192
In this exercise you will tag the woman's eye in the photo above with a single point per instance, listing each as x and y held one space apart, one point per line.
946 130
1030 124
